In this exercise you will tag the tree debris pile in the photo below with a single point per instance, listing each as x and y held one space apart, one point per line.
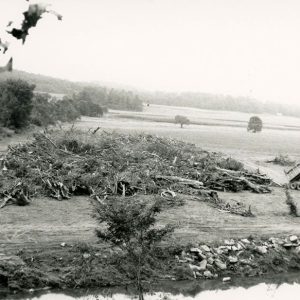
69 163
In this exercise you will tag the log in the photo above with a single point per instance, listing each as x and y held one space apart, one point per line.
190 182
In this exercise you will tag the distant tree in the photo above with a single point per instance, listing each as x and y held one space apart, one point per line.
16 103
255 124
65 110
89 108
43 110
130 225
182 120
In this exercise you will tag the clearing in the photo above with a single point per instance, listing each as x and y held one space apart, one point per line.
48 222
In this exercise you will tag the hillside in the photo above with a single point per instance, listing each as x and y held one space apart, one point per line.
46 83
220 102
188 99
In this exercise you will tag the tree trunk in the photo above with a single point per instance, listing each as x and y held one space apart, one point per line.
181 125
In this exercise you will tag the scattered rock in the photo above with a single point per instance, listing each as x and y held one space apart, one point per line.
195 250
208 274
261 249
86 255
230 242
205 248
245 241
234 248
226 279
195 268
210 260
297 250
220 264
240 246
202 265
63 244
233 259
293 238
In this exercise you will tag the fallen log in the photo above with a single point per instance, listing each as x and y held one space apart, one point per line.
175 179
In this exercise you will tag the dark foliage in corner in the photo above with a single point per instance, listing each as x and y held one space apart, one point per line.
16 103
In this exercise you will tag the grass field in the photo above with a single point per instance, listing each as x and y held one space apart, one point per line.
223 135
226 136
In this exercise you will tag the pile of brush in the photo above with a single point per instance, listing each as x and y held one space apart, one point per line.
98 164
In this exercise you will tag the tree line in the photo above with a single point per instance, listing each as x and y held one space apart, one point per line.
108 97
21 105
220 102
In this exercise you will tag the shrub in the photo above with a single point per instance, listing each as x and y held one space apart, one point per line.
230 164
130 225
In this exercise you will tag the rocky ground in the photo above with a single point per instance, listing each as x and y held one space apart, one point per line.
86 266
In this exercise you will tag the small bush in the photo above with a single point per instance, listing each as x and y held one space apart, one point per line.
230 164
283 160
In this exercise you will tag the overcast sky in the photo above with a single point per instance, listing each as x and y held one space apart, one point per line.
238 47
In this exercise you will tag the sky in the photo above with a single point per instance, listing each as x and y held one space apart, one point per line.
247 48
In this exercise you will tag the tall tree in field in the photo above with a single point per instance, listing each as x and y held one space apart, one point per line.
182 120
255 124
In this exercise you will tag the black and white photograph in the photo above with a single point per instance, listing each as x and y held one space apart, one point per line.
149 149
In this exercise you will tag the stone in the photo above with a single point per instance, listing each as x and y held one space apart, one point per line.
229 242
226 279
220 264
194 267
240 246
220 251
293 238
245 241
261 249
86 255
63 244
195 250
297 250
202 256
202 265
198 274
210 260
205 248
234 248
208 274
232 259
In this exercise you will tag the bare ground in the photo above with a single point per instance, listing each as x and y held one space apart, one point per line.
47 222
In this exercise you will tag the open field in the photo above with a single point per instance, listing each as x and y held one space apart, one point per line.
220 136
48 221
